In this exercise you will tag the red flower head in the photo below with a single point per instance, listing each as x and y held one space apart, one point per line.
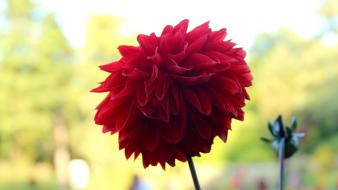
171 95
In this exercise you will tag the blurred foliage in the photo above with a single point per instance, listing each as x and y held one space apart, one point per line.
296 76
35 75
329 9
43 77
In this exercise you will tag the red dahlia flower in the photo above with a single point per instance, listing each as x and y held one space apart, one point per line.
171 95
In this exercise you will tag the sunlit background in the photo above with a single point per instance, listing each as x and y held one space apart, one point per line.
49 57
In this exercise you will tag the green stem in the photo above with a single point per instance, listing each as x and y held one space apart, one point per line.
281 163
193 173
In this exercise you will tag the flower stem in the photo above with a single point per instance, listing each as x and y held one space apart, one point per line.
193 173
281 163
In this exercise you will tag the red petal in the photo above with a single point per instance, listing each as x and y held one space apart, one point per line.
196 45
128 50
162 87
217 35
221 57
104 102
165 113
174 103
154 73
198 31
205 101
240 67
238 100
162 164
246 95
151 137
240 52
222 46
183 26
138 61
205 148
223 131
180 155
173 133
221 101
178 57
200 61
172 43
223 136
157 110
128 89
171 162
136 74
100 88
123 140
174 68
148 110
145 160
229 85
204 129
165 152
148 43
113 83
246 79
193 80
141 96
128 152
167 30
111 67
191 97
149 88
108 111
156 58
125 115
137 153
202 126
240 115
109 128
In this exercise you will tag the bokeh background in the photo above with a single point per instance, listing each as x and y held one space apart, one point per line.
49 57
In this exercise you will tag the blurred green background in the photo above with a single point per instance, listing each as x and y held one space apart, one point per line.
48 139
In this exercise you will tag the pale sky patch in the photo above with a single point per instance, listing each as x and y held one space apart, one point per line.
244 19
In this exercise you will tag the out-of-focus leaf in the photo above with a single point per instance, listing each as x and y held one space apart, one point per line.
290 149
293 123
288 134
276 127
270 126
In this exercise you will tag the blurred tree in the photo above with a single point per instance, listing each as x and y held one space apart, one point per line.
329 9
102 40
297 76
34 88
